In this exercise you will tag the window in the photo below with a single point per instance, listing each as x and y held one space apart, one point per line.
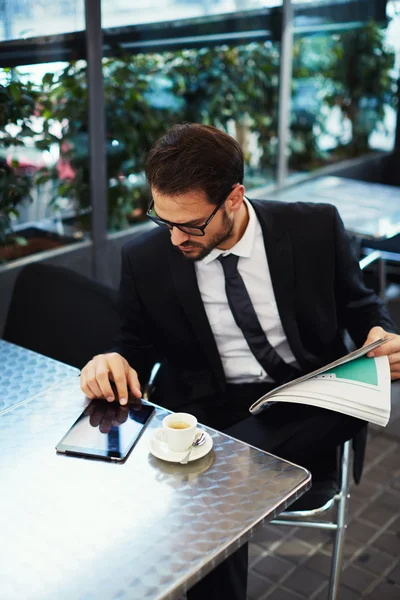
124 12
211 73
32 18
44 160
344 90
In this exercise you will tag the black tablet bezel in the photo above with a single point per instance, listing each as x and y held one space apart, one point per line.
108 455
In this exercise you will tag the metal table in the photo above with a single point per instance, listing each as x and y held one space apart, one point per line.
369 210
24 373
74 529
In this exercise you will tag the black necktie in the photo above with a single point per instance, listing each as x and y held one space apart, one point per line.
246 318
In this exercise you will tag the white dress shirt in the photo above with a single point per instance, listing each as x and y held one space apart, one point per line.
238 361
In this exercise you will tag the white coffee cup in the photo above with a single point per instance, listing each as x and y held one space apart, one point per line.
179 430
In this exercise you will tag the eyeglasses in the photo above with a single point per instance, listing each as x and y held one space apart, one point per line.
189 229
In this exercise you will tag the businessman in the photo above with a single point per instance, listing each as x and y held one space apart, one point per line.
234 297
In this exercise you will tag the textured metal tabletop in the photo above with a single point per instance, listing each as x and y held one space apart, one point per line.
79 529
24 373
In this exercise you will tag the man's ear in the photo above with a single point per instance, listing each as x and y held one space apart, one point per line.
236 197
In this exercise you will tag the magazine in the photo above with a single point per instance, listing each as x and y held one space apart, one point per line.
354 385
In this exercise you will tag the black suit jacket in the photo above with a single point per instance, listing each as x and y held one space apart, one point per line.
316 280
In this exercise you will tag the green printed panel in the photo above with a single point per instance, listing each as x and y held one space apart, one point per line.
361 369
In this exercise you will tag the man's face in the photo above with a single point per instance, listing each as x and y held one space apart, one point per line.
194 209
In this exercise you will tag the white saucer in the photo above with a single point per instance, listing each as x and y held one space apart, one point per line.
160 449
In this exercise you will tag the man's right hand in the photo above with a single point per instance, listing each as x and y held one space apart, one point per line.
104 368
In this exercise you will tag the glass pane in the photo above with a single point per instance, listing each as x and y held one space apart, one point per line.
344 90
33 18
232 86
124 12
43 156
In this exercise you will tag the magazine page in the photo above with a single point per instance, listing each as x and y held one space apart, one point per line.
260 403
360 388
325 402
364 381
362 385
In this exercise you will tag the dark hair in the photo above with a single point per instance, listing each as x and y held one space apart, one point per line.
195 157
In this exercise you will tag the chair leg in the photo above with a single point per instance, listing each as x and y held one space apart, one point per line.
344 496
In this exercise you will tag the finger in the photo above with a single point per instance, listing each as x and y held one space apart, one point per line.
133 383
117 372
94 394
394 359
390 347
374 334
88 393
394 375
91 380
103 369
84 384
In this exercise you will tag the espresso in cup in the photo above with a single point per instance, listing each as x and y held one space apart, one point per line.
179 425
179 430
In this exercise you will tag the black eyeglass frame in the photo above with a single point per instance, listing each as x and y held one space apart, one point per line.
169 225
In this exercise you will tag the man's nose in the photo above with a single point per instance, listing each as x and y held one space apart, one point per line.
178 237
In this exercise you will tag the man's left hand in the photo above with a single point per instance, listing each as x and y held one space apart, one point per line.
391 349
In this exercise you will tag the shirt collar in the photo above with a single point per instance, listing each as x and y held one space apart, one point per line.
244 247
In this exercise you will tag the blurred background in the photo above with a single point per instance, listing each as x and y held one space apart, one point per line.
310 89
307 87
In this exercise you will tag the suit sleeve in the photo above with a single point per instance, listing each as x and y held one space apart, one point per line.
134 339
359 308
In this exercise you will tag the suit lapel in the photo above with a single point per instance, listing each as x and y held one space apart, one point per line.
185 282
280 260
281 265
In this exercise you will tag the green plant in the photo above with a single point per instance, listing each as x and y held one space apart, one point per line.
17 105
144 95
312 60
232 87
132 125
230 84
63 107
361 75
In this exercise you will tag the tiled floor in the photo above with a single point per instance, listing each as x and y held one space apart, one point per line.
288 563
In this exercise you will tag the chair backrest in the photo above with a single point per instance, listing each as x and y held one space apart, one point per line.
61 314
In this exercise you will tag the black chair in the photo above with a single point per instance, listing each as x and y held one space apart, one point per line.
61 314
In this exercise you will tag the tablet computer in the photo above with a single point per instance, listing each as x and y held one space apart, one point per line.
106 430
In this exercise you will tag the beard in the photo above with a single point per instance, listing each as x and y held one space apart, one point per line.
202 250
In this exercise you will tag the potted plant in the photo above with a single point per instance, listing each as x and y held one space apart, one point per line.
234 87
18 111
363 83
132 125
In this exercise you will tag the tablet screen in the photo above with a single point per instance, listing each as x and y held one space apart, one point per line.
106 430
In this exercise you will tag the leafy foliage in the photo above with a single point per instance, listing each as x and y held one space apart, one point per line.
362 79
232 87
17 103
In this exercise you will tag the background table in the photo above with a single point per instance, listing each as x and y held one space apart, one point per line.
76 529
369 210
24 373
